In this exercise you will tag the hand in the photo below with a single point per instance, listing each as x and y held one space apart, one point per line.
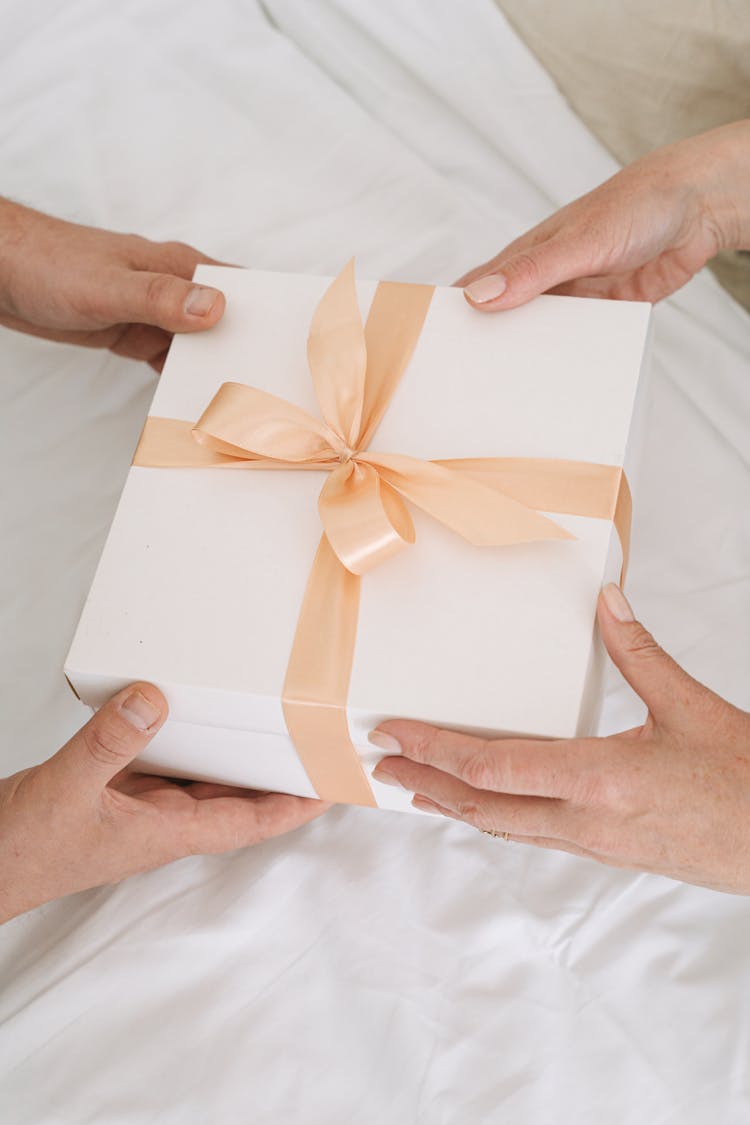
82 819
670 797
80 285
639 236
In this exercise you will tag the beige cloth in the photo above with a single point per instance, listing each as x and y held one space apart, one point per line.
642 73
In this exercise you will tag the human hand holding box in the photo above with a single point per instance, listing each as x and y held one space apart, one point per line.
201 581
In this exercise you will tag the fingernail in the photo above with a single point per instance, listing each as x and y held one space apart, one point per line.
385 741
617 604
137 711
200 301
386 778
486 288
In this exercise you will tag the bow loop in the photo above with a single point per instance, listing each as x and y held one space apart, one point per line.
250 424
337 356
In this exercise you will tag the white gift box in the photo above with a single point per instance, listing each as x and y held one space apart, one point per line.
200 583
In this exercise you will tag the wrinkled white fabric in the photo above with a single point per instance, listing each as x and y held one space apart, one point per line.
371 967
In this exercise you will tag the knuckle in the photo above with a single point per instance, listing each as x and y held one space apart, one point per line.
617 788
177 247
161 292
183 256
133 249
589 790
642 644
525 267
607 789
206 834
421 745
480 769
105 740
472 812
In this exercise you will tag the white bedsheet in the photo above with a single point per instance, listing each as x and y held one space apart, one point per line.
371 967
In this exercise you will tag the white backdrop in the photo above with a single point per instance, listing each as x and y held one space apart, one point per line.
371 967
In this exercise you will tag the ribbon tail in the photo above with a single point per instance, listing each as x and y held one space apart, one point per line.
317 682
483 515
577 488
623 518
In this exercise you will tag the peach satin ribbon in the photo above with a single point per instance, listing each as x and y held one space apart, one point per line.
488 501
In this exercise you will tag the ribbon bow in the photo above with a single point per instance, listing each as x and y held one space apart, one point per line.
361 508
489 501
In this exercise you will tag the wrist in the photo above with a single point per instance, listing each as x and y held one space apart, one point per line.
15 221
721 165
24 864
18 893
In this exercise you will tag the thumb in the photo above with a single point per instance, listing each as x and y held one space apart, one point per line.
161 299
525 274
660 682
114 736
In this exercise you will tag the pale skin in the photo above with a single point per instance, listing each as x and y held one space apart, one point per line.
85 817
671 796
